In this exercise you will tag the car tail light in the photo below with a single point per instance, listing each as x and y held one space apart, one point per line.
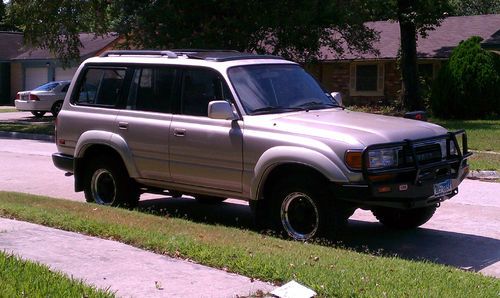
34 97
18 96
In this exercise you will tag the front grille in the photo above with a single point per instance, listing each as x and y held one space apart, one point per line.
425 154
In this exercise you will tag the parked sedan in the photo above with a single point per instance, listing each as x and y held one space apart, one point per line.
45 98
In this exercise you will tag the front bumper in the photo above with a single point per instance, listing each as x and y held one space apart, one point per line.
414 184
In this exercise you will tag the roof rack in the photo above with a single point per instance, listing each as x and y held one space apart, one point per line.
208 55
169 54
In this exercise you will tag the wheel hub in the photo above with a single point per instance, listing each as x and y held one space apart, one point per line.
299 216
103 187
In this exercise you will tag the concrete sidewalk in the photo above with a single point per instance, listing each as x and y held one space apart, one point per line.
126 270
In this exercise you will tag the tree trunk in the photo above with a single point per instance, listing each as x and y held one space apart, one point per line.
411 96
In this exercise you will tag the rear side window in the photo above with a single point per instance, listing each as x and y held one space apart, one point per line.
200 86
152 89
100 87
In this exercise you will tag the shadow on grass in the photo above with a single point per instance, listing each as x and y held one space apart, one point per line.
464 251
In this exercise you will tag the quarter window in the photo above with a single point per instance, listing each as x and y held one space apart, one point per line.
101 87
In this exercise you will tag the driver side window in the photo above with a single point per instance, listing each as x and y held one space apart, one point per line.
199 87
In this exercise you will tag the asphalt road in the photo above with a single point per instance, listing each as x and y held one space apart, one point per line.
464 232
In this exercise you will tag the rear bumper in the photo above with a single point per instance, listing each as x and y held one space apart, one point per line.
63 162
32 105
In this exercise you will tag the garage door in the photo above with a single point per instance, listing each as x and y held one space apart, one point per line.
35 76
65 74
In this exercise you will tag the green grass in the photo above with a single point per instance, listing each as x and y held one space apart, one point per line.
41 128
483 136
8 110
19 278
330 271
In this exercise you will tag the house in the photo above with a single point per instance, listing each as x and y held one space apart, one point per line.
373 78
28 68
11 44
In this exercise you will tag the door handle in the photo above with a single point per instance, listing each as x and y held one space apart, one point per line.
179 132
123 125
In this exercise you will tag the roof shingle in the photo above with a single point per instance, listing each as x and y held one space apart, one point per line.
438 43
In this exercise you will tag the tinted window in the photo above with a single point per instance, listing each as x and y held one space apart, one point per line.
46 87
101 86
65 88
152 89
200 86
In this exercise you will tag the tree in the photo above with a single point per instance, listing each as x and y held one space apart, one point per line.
293 29
5 18
474 7
468 85
416 18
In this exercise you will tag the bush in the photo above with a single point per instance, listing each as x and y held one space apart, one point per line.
468 86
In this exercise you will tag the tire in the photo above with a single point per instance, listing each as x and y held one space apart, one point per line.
107 183
403 219
302 209
56 108
38 114
209 199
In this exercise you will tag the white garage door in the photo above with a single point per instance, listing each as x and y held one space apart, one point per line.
65 74
35 76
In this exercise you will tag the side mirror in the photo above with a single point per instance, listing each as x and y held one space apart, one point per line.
337 96
221 109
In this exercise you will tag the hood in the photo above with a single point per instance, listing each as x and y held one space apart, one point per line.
353 127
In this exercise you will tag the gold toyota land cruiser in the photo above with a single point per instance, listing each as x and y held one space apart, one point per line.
225 124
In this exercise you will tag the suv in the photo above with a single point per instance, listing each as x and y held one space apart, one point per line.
219 124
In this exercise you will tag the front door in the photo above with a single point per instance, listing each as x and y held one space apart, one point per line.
204 151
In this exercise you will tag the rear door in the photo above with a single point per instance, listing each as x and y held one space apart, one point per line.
204 151
144 123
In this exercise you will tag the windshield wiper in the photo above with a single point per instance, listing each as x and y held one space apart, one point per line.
274 109
316 105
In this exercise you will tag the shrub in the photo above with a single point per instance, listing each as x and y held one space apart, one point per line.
468 86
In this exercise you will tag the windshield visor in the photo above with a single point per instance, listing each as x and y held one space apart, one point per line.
277 88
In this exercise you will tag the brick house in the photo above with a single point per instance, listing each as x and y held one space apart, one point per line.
376 78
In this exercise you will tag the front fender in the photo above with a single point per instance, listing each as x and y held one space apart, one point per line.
112 140
276 156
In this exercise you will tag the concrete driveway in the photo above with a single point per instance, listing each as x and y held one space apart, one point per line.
463 233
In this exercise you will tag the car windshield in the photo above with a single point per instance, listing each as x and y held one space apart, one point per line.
278 88
46 87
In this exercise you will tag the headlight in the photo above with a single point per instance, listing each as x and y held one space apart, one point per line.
383 158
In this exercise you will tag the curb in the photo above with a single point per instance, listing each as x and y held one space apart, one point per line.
26 136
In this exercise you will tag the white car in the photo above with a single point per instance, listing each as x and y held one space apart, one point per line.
45 98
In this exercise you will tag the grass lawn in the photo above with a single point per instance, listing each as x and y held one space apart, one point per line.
19 278
331 271
483 136
35 128
8 110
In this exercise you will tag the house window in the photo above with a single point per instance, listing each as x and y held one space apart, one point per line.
367 79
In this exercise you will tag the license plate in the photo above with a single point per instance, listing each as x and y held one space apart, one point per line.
442 188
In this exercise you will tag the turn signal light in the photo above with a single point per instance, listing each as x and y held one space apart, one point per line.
353 159
383 189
